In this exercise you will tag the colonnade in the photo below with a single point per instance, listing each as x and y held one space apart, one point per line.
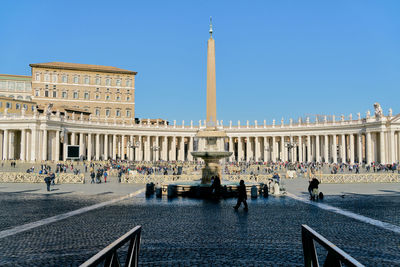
33 144
383 147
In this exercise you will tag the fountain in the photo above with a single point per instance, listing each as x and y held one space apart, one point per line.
211 138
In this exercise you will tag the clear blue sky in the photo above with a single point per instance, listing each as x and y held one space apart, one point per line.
274 59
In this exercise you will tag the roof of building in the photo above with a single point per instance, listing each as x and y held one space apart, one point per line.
15 77
87 67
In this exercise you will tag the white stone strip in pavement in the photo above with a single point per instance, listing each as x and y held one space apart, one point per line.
361 218
28 226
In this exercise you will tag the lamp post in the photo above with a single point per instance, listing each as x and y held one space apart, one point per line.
155 148
134 146
290 146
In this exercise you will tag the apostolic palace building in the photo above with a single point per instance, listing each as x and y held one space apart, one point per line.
93 106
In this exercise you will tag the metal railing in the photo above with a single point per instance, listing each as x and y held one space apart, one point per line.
109 254
335 256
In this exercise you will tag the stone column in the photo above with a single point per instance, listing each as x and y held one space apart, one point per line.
257 146
157 153
89 153
44 151
326 148
97 146
181 152
57 145
240 149
300 148
106 146
164 149
273 149
65 144
334 149
173 148
5 146
130 149
392 148
398 146
73 139
248 149
309 148
23 145
359 148
114 147
351 137
190 148
369 147
343 148
292 150
317 149
382 147
282 144
231 149
123 147
81 151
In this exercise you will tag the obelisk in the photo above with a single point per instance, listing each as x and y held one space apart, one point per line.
211 86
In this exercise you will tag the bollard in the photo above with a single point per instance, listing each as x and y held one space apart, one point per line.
158 192
254 191
171 191
149 189
265 190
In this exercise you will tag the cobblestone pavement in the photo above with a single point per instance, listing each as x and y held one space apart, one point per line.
185 232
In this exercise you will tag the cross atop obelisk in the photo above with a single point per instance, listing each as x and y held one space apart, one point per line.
211 86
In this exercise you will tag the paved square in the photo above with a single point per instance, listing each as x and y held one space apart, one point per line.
183 232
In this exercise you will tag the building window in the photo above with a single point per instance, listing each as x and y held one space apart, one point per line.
86 95
32 107
118 113
97 90
28 87
11 85
128 113
64 94
108 81
75 95
25 106
17 106
98 80
118 98
46 93
87 80
128 82
97 97
20 86
37 76
46 77
76 79
54 78
8 105
128 98
118 82
64 79
3 85
54 87
37 93
97 112
107 113
54 94
107 97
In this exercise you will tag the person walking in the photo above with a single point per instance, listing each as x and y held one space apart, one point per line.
47 180
242 197
92 175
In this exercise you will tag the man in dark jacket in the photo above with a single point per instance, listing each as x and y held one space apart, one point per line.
313 184
242 196
47 180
